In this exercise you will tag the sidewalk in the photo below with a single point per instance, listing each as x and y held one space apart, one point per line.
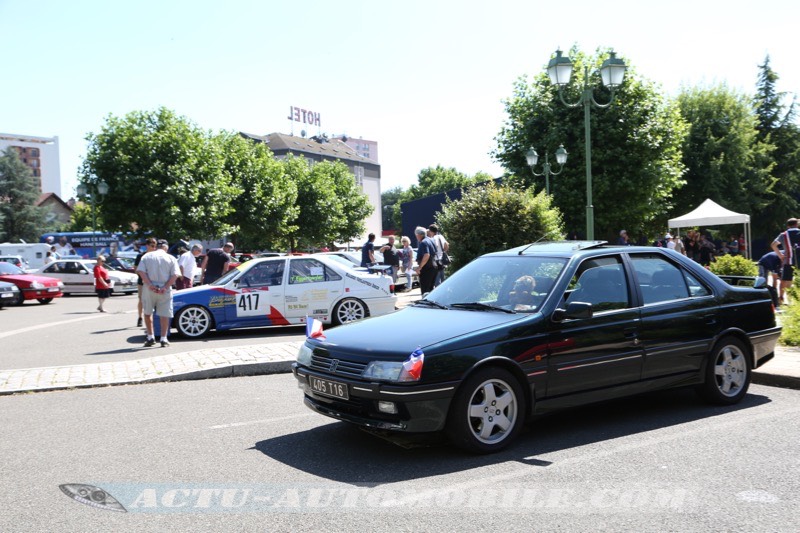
258 359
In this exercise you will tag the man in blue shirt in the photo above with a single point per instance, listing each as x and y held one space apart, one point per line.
368 251
789 240
426 252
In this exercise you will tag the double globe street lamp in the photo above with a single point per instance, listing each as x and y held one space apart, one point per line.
533 158
92 190
612 72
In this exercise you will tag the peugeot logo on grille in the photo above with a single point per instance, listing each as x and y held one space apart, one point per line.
334 364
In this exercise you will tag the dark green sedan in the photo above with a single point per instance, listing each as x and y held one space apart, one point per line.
537 328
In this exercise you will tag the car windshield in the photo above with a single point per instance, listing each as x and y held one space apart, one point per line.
9 269
518 283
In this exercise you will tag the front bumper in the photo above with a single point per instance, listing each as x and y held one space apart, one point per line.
47 292
421 408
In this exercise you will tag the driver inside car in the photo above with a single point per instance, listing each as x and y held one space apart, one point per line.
522 297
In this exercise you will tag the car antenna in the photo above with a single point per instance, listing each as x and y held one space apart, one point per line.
531 244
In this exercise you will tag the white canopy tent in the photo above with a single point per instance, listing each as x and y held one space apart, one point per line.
710 213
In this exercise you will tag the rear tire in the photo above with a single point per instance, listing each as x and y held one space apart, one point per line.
488 411
728 372
20 299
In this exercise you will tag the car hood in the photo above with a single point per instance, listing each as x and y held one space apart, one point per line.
122 277
404 331
27 279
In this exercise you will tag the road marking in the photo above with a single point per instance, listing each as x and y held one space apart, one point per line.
50 325
265 421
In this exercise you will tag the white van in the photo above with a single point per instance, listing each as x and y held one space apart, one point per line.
34 254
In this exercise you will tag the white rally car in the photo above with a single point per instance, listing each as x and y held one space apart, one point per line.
282 291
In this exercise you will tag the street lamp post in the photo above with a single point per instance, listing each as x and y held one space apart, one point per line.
533 158
612 72
94 188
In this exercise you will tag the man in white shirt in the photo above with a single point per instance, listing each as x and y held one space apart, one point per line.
158 271
187 262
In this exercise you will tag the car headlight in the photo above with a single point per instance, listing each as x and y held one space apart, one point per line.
393 371
60 284
37 285
304 355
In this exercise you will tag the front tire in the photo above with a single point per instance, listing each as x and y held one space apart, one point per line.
728 372
20 299
44 300
488 411
194 321
349 310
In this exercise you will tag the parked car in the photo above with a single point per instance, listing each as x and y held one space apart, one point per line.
355 259
282 291
123 264
78 276
15 260
31 286
9 293
538 328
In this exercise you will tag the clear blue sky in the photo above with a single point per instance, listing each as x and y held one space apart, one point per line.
424 79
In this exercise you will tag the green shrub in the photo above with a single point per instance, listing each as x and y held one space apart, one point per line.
790 319
733 265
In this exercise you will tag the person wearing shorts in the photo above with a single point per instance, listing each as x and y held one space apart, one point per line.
785 245
158 271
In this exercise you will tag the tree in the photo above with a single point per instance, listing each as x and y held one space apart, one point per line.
636 142
20 218
435 180
491 217
726 162
264 210
776 126
165 176
353 204
330 205
81 218
389 199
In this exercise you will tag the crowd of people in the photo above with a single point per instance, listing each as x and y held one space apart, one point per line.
431 257
699 246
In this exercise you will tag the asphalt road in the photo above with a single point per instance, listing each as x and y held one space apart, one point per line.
244 454
70 331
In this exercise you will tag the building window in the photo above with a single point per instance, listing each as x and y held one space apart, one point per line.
34 152
36 172
34 163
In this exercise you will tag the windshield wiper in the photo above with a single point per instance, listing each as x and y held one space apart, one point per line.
481 306
431 303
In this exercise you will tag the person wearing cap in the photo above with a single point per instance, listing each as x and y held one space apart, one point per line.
670 241
216 262
158 271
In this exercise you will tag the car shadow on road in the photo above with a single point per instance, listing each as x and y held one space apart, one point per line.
341 452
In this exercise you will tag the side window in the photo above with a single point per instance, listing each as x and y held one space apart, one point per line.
660 280
600 282
71 267
52 268
310 271
695 287
268 274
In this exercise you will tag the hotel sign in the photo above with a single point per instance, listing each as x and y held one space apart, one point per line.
303 115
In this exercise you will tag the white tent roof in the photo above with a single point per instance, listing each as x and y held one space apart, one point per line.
709 213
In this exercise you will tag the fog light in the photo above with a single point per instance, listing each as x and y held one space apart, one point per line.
387 407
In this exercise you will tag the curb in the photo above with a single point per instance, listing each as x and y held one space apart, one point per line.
776 380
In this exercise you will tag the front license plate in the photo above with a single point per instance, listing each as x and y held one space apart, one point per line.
325 387
52 289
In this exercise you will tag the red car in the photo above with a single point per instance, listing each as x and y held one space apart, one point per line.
31 286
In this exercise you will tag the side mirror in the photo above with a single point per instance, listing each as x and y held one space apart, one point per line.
573 310
82 272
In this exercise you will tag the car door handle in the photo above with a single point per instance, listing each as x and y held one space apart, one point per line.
710 320
632 333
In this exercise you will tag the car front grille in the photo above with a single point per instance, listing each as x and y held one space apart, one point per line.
331 365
